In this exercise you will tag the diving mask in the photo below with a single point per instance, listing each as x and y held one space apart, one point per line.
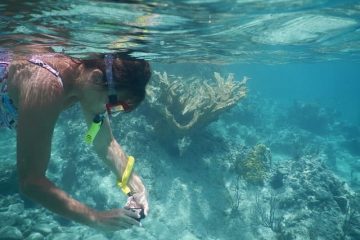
114 106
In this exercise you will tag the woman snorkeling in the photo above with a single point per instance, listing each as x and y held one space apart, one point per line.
35 89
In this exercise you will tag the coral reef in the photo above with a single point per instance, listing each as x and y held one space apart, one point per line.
351 224
315 200
265 213
352 145
182 107
291 193
310 202
186 105
254 167
295 144
311 117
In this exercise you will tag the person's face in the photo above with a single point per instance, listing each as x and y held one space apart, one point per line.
120 102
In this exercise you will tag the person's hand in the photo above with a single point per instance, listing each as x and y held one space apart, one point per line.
138 200
116 219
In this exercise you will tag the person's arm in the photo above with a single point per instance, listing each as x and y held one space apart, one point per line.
38 107
113 155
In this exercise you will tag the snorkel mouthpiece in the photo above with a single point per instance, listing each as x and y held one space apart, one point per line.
94 129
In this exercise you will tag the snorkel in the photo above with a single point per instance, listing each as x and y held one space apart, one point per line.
94 128
112 102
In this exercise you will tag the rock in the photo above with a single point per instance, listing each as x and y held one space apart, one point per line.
43 228
9 232
17 208
7 219
277 180
188 236
35 236
316 199
355 233
97 237
8 180
24 222
342 203
64 236
58 236
322 195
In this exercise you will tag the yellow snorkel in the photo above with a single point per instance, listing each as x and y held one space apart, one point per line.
94 128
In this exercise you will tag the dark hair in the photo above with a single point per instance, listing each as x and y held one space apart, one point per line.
129 74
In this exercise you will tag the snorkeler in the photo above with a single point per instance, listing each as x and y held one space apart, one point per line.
35 89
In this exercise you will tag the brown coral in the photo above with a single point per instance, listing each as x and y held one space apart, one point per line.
190 104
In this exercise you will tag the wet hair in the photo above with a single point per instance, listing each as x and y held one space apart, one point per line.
129 74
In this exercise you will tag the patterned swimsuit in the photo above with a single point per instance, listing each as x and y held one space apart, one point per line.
8 112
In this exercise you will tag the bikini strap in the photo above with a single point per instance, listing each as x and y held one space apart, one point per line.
47 67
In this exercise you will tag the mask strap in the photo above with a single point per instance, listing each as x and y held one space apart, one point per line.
109 75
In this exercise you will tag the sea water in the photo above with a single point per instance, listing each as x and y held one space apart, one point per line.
281 163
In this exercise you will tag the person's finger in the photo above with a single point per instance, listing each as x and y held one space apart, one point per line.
120 219
144 205
128 217
119 223
146 209
126 223
130 221
131 213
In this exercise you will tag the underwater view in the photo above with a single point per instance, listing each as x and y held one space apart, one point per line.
248 128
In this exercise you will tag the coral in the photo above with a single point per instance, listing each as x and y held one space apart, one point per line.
277 179
254 167
352 145
189 104
311 117
265 213
351 224
316 199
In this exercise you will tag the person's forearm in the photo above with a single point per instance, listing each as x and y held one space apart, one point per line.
116 159
47 194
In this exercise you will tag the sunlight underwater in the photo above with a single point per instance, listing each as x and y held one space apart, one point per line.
250 150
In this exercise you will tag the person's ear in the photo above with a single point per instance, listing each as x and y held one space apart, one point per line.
96 76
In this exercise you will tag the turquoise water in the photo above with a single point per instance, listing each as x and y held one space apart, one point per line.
303 104
278 31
